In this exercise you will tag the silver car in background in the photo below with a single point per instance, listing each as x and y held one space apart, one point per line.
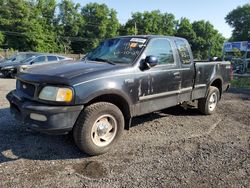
10 69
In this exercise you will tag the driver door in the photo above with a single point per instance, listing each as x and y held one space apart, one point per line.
159 86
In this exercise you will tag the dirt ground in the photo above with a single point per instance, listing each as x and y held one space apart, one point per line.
171 148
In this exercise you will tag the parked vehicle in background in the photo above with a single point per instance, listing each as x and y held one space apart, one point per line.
122 78
20 56
14 60
10 69
241 66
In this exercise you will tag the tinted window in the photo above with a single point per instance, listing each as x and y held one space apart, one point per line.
39 59
161 48
183 51
60 58
52 58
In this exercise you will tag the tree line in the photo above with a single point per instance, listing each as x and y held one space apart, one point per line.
48 26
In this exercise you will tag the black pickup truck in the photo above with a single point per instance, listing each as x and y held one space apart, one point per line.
124 77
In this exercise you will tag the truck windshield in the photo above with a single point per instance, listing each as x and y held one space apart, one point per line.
118 50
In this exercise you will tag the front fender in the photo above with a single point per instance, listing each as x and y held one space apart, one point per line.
89 91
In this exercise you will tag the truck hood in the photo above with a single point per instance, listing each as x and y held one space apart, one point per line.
67 69
64 72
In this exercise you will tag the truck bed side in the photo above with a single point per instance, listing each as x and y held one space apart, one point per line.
210 73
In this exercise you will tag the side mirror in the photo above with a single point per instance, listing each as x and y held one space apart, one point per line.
151 61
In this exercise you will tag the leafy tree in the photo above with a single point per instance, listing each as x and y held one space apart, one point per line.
100 23
1 38
69 23
46 10
208 41
25 27
237 53
35 25
202 36
14 16
40 32
239 20
40 38
185 30
153 22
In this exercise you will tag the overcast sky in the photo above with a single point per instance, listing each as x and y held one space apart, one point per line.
213 10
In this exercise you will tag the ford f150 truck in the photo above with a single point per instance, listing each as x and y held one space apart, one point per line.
123 77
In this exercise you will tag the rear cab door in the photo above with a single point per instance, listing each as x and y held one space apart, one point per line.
187 69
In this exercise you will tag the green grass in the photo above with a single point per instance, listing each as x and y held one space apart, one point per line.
241 82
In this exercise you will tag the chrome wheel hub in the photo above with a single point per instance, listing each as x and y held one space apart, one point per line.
212 101
104 130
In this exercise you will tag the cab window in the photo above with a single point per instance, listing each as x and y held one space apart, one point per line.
161 48
183 51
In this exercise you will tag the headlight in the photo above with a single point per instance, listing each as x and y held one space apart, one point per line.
59 94
22 68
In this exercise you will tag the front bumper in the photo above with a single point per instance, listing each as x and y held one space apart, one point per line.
59 119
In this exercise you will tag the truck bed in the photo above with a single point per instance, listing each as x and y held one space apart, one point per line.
207 72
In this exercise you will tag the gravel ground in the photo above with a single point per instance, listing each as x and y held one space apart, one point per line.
171 148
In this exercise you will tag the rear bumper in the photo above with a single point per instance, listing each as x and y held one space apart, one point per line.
52 119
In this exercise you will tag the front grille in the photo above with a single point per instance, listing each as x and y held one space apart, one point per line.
26 88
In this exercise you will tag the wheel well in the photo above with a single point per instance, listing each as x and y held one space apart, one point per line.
117 100
217 83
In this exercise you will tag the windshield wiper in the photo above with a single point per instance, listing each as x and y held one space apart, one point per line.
103 60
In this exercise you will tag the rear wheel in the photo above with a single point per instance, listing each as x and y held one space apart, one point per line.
98 128
208 105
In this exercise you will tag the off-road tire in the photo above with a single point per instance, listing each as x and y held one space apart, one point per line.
203 104
83 127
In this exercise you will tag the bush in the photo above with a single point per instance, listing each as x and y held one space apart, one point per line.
241 82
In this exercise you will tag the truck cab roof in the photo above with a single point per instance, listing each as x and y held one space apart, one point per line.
150 36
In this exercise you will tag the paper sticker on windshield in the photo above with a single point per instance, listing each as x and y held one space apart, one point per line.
139 40
133 45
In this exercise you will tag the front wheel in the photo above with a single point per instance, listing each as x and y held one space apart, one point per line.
98 128
208 105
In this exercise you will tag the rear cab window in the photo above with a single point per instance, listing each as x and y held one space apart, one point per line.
183 50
